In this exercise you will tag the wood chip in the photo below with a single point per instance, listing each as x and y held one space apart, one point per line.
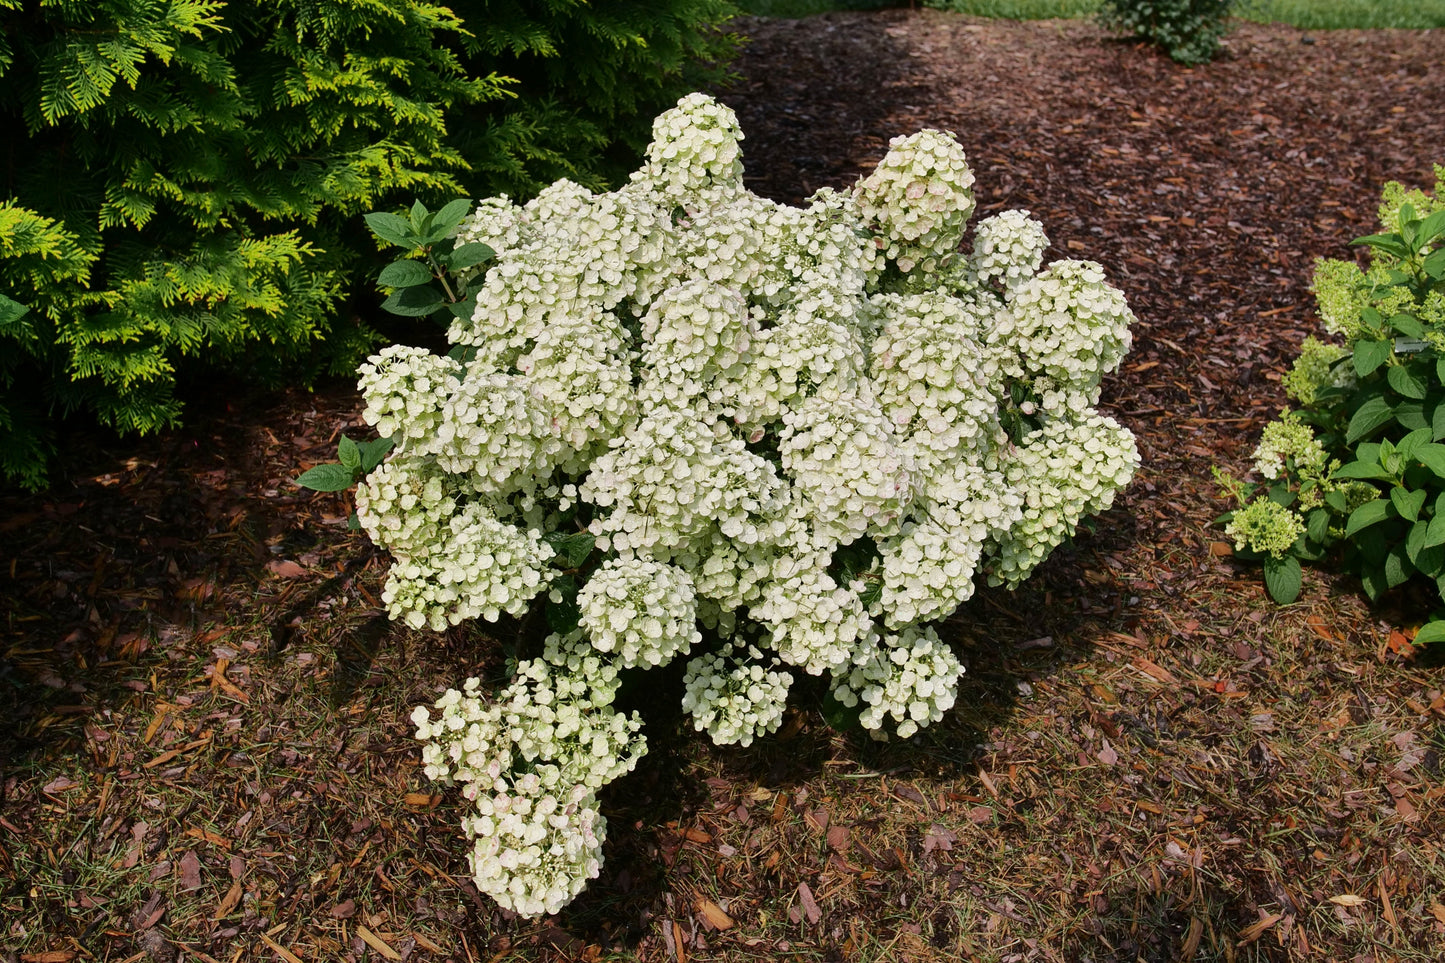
228 903
810 905
713 915
190 867
1253 932
377 943
280 950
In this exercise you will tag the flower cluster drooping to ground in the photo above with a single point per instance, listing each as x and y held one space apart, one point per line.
786 438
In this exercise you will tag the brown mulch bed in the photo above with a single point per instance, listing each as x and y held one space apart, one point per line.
203 719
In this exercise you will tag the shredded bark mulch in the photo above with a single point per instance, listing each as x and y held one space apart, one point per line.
203 724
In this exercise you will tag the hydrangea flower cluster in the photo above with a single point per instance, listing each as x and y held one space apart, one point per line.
775 439
530 761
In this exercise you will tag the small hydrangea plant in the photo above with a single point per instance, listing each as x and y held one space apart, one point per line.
701 425
1355 474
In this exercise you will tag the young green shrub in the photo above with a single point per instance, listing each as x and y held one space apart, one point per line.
184 187
1187 30
589 79
181 183
1356 474
694 424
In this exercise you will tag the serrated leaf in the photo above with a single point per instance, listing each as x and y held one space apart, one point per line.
1368 514
329 477
469 255
1432 456
1283 578
11 311
374 452
1408 503
1362 469
420 218
1406 383
1432 227
404 274
414 302
1415 541
1369 355
1390 243
349 454
1408 325
1411 416
1372 579
451 214
392 228
1318 525
572 549
1430 562
1372 414
1435 535
1434 264
1431 631
1397 567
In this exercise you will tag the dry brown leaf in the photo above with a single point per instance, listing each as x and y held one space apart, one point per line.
422 799
1191 940
285 568
233 896
1437 911
49 956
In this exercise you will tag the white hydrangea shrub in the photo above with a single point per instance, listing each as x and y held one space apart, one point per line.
785 438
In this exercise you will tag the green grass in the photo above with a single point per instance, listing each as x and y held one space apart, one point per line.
1305 14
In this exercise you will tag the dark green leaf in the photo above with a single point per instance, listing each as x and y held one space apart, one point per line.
1373 580
1408 325
840 718
414 302
1282 578
1318 525
1412 443
1281 495
1368 514
1435 535
1406 383
1429 561
1432 227
1431 631
392 228
1408 503
372 453
1434 265
420 218
1372 415
1369 355
1361 469
404 274
1415 541
1411 416
1336 500
11 311
349 454
451 214
572 549
465 308
1432 456
1397 567
353 523
330 477
469 255
564 616
1389 243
